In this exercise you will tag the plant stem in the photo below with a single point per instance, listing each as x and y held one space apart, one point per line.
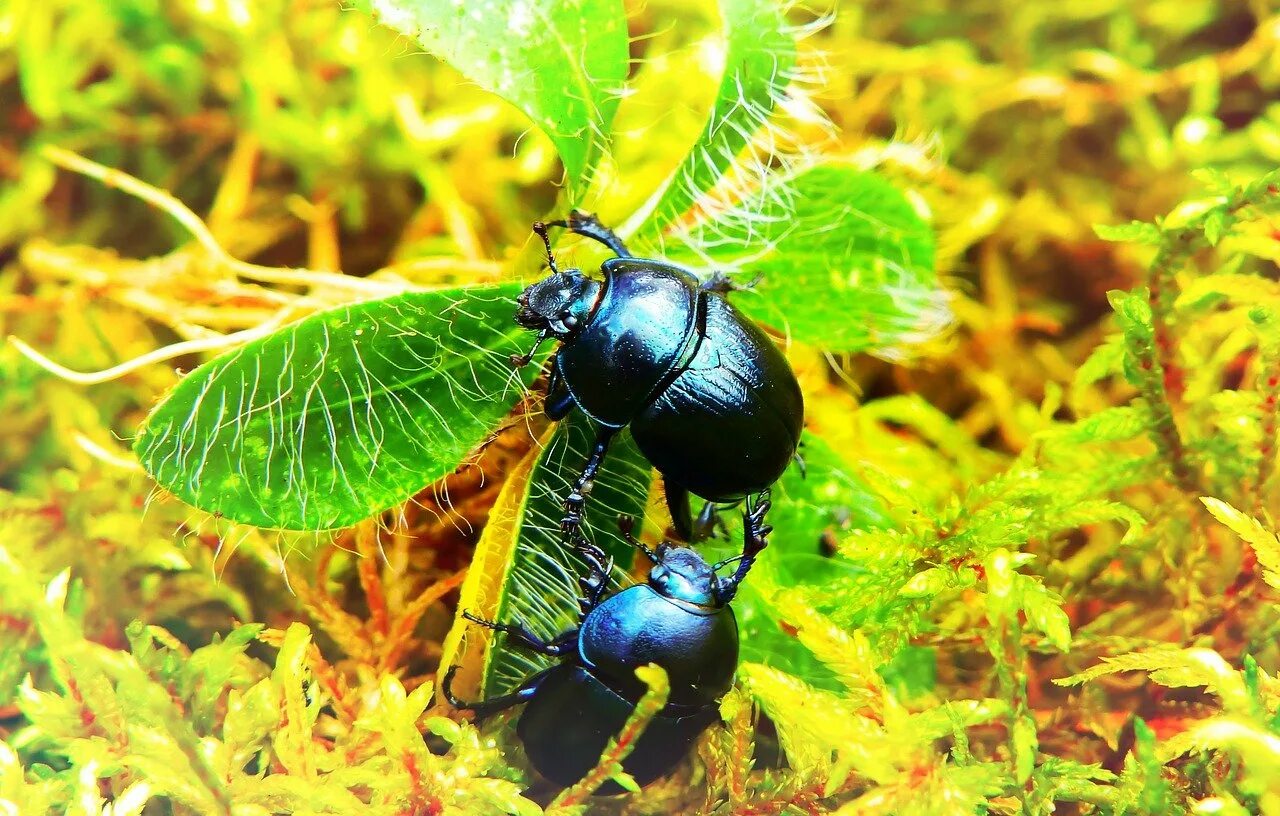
1162 290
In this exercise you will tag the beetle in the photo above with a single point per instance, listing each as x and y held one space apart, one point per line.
679 619
711 401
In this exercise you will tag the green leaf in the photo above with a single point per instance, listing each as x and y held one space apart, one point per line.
537 584
1143 787
1025 743
1066 780
811 509
1189 212
935 580
823 724
1119 424
1210 291
1133 313
759 52
1132 308
914 413
1135 232
341 415
1105 360
1044 612
1175 668
846 261
1215 224
1263 541
1002 598
1256 746
828 497
912 672
562 64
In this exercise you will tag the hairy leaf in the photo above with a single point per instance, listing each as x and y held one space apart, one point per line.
759 52
486 583
541 586
563 64
521 572
341 415
847 263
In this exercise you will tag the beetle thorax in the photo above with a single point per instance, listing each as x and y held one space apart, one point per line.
682 575
559 304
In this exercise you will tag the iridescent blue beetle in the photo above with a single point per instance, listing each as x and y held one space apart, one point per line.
680 619
711 401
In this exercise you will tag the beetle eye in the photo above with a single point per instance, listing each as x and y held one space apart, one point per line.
570 321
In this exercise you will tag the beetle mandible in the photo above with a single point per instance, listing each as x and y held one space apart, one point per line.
711 401
680 619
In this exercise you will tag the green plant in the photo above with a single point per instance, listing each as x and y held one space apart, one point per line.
351 411
1032 571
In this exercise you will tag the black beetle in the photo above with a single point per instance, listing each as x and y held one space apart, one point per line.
711 401
680 619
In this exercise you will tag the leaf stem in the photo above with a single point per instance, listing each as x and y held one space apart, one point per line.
1162 291
166 202
159 355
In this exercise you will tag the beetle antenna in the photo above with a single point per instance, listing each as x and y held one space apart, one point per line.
540 229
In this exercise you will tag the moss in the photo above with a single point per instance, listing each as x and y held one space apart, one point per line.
1032 568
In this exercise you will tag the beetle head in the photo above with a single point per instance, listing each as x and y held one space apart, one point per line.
559 304
683 575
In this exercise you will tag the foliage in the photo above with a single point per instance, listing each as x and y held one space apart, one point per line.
339 415
1033 573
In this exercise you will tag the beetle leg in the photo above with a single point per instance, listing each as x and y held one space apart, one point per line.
627 526
571 524
600 564
755 535
588 226
494 704
522 360
678 506
523 637
708 523
559 401
596 581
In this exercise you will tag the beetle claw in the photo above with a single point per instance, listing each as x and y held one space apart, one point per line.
446 687
627 526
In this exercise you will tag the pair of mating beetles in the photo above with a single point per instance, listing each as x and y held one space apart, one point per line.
714 406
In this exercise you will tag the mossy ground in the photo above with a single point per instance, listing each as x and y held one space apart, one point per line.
1035 573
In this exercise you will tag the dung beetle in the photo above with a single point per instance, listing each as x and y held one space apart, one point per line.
711 401
680 619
